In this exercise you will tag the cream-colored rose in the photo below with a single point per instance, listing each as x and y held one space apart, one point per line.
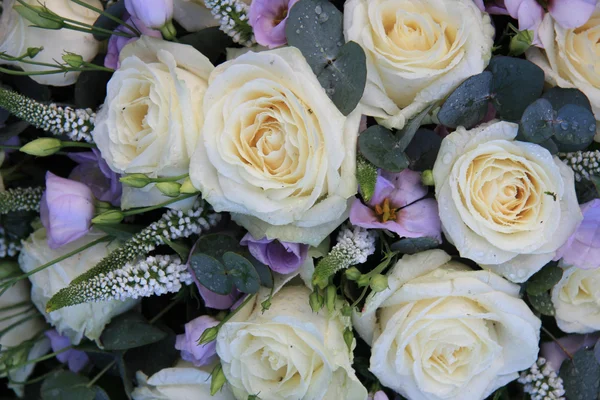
20 322
571 58
418 51
81 320
152 116
505 204
17 35
288 352
576 299
275 151
182 382
444 331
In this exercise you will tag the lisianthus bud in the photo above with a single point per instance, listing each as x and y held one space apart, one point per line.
109 217
209 335
187 187
330 297
135 180
102 206
40 16
42 147
427 178
33 51
218 379
363 281
316 301
353 273
73 60
379 283
347 311
171 189
348 337
521 42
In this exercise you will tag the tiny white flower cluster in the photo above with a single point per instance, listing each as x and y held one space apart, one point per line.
541 382
154 276
21 199
8 247
233 16
583 163
354 245
77 124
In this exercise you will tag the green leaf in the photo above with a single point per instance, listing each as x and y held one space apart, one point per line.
153 357
100 394
366 175
211 42
66 385
215 245
574 128
315 27
542 303
544 279
516 83
344 78
380 147
537 122
116 10
560 97
122 232
264 272
550 145
407 133
211 273
128 331
581 376
468 104
423 150
414 245
242 272
179 247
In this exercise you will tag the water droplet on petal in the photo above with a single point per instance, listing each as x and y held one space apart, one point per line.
323 17
318 9
564 125
447 158
592 128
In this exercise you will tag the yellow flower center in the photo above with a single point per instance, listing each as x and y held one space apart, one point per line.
385 212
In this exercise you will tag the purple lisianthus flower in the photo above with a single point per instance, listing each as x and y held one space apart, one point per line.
554 352
95 173
582 249
153 13
281 257
66 210
116 43
187 343
398 205
75 359
268 19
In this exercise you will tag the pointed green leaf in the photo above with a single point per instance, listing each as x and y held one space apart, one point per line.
128 331
381 148
468 104
544 279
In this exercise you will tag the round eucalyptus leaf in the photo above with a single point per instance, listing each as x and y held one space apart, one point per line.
560 97
116 10
536 122
381 148
516 83
468 104
242 272
581 376
66 385
574 128
215 245
211 273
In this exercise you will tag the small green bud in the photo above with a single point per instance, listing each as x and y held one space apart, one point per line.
217 380
33 51
330 298
348 338
40 16
520 42
73 60
187 187
316 301
42 147
427 178
109 217
266 304
320 281
102 206
363 281
8 268
168 31
353 274
347 311
135 180
171 189
253 397
379 283
208 335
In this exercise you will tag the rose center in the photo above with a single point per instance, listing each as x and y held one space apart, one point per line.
385 212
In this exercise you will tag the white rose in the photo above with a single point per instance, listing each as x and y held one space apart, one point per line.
275 151
152 116
17 35
576 299
505 204
20 323
571 58
81 320
444 331
288 352
417 51
182 382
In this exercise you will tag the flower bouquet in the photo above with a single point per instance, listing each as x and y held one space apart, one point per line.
300 199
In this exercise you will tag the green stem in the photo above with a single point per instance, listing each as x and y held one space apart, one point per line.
49 72
93 29
13 306
158 206
99 30
34 380
172 179
36 360
8 284
99 375
13 325
17 314
3 147
97 67
77 144
164 311
108 15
